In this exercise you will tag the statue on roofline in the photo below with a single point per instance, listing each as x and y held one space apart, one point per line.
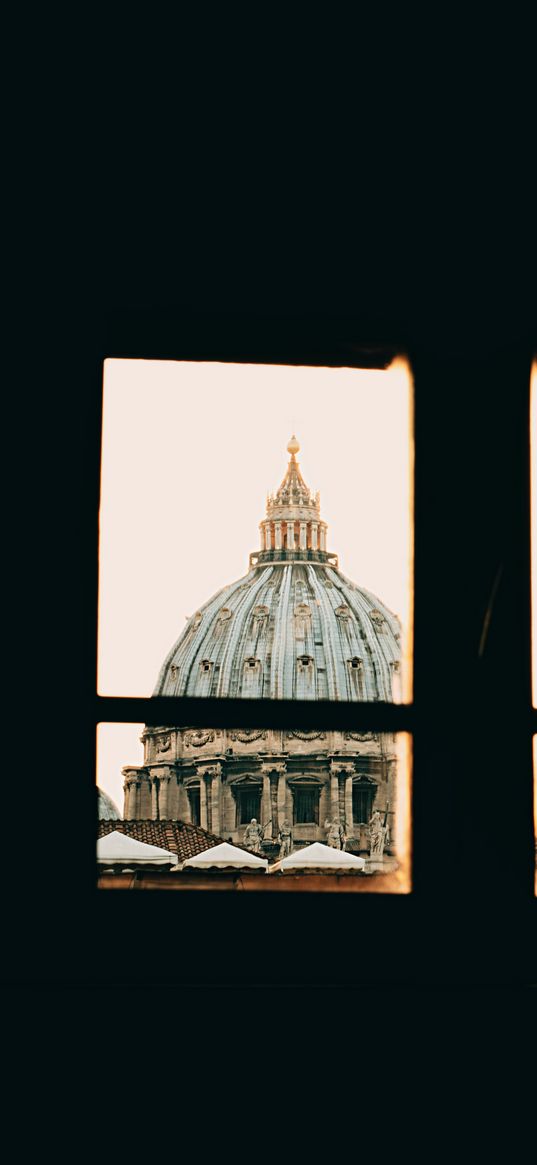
253 836
285 838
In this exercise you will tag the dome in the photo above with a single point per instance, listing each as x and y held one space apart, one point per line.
293 627
107 810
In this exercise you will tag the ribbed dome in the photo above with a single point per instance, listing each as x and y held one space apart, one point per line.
297 630
293 627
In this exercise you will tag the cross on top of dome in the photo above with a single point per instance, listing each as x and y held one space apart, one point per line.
293 491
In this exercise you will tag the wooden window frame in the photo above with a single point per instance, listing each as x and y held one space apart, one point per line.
471 913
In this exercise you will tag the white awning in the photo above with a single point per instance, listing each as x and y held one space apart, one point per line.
226 856
118 847
322 857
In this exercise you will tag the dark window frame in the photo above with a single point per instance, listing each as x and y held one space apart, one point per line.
474 912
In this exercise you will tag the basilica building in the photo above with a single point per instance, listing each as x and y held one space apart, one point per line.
293 627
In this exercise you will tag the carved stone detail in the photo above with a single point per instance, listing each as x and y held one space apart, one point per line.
210 770
163 743
360 735
247 737
131 777
197 738
307 735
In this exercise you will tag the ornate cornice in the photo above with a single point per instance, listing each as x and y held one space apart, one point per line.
209 770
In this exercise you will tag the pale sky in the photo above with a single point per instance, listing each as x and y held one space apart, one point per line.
190 451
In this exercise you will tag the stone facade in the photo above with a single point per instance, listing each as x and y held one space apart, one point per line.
220 779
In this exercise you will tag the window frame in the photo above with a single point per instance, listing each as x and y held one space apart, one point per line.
465 922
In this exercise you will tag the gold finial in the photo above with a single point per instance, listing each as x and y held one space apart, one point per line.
293 446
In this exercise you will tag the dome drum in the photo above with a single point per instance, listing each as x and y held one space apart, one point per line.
220 779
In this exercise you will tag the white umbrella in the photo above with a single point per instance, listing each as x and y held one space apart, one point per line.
118 847
322 857
224 857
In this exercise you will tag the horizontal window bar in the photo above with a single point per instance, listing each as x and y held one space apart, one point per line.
218 713
239 340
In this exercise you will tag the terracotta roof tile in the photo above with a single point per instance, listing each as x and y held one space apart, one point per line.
179 837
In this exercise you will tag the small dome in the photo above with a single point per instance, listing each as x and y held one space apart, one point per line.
293 446
107 810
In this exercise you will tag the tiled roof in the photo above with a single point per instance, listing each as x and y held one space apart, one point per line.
179 837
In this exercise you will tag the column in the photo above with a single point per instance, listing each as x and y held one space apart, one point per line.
290 535
143 796
203 803
323 538
348 803
341 791
262 542
266 810
303 536
314 528
273 803
282 793
127 799
278 535
274 779
154 799
227 811
208 781
216 794
334 796
130 786
163 797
